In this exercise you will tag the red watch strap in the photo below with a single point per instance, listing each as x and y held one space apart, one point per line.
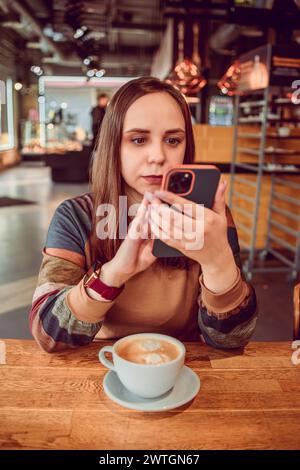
107 292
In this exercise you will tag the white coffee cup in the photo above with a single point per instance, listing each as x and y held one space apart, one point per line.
145 380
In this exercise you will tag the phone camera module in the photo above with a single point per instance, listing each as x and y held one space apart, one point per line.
180 182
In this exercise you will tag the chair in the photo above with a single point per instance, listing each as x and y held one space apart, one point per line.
297 312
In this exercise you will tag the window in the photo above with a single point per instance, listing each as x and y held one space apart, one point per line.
6 115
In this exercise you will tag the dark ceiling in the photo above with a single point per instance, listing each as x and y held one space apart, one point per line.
121 36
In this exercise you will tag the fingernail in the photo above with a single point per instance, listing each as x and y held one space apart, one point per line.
149 196
155 201
160 193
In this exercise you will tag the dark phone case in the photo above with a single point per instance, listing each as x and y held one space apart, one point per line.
203 192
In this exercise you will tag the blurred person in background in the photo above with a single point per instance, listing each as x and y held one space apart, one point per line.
97 114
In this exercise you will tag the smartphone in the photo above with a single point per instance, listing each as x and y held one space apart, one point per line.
197 183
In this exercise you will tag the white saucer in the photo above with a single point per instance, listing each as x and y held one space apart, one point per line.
185 389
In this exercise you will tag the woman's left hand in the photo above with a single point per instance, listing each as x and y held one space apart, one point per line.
198 232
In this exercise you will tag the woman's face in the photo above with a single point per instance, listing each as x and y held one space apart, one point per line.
153 141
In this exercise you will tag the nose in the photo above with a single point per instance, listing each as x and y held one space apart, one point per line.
156 153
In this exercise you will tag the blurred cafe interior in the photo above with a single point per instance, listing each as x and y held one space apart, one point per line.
237 62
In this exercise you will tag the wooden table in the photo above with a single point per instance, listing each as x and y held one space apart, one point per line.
247 400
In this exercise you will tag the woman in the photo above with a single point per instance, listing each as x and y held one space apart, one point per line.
146 130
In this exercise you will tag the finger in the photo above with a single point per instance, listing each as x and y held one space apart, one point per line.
162 235
176 234
145 226
156 227
178 222
183 244
142 208
141 212
136 227
179 203
219 205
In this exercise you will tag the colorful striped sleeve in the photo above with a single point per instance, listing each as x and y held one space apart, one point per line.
52 322
227 320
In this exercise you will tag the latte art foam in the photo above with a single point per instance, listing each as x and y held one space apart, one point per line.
148 351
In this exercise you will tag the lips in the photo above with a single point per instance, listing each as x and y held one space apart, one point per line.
153 179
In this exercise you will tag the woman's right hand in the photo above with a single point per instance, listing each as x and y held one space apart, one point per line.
134 255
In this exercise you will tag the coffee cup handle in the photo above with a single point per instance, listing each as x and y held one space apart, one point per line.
104 360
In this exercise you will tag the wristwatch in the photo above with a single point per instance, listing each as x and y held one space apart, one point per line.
92 281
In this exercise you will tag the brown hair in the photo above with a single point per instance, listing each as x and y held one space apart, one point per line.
106 178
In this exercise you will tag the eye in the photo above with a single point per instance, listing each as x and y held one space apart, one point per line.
173 141
138 140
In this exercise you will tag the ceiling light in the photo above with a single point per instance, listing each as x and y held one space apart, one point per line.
230 80
187 76
80 32
100 73
18 86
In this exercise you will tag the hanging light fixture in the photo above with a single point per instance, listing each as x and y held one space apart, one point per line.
230 80
186 75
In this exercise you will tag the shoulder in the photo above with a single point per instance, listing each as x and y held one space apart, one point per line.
84 201
71 224
80 207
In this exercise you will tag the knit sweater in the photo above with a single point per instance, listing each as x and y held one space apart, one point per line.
166 300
